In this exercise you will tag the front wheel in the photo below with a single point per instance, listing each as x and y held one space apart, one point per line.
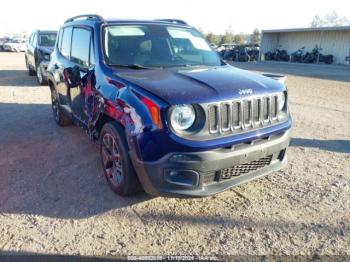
61 118
116 162
39 76
31 72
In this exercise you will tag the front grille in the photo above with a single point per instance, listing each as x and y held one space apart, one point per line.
245 168
235 115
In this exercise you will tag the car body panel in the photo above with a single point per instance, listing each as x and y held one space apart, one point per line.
200 84
118 94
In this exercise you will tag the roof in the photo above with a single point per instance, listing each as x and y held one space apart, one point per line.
93 18
47 31
308 29
157 21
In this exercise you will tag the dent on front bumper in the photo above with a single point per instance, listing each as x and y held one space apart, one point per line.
201 174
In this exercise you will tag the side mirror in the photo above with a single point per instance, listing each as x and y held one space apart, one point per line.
72 76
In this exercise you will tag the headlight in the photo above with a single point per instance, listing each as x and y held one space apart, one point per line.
47 57
281 101
182 117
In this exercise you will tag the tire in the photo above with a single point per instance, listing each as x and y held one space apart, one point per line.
116 162
59 115
39 76
31 72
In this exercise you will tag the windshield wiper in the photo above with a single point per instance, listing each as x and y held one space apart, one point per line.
185 65
132 66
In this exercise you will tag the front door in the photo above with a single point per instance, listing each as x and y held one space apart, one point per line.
82 72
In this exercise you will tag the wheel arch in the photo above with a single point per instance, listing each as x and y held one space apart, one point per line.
104 119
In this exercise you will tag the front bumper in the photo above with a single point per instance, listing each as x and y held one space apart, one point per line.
202 174
44 64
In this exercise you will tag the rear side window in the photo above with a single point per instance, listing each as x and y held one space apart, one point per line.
81 46
66 40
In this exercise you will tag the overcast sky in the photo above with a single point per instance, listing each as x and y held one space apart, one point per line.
214 16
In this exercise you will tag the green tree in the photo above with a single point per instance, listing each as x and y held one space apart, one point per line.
213 39
239 39
255 37
227 38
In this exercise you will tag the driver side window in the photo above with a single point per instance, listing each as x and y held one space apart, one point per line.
81 41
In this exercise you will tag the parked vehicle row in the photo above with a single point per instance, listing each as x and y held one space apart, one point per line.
242 53
12 45
3 40
37 57
170 115
300 56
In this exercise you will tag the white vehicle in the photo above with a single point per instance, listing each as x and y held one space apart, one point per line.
225 47
15 45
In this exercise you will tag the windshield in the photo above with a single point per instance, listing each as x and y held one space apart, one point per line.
156 46
47 39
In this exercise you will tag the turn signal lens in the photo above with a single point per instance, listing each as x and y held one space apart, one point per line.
153 110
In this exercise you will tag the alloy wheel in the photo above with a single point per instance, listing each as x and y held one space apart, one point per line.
111 159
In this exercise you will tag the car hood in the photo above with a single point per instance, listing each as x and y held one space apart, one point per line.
200 84
46 49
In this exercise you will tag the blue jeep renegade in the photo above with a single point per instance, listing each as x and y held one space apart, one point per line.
169 115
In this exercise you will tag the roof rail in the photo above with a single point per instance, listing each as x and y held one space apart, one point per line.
88 16
174 21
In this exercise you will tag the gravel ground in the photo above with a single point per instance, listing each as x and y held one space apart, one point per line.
55 200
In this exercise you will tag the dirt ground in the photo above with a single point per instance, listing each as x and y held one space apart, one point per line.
55 200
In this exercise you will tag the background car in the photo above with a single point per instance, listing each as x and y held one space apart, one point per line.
39 48
15 45
3 40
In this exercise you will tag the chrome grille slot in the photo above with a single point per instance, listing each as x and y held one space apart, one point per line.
274 107
256 110
236 115
213 118
247 113
266 109
225 117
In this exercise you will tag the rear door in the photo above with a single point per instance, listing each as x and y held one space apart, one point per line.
63 62
31 48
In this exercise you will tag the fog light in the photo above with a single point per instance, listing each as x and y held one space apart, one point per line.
182 177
